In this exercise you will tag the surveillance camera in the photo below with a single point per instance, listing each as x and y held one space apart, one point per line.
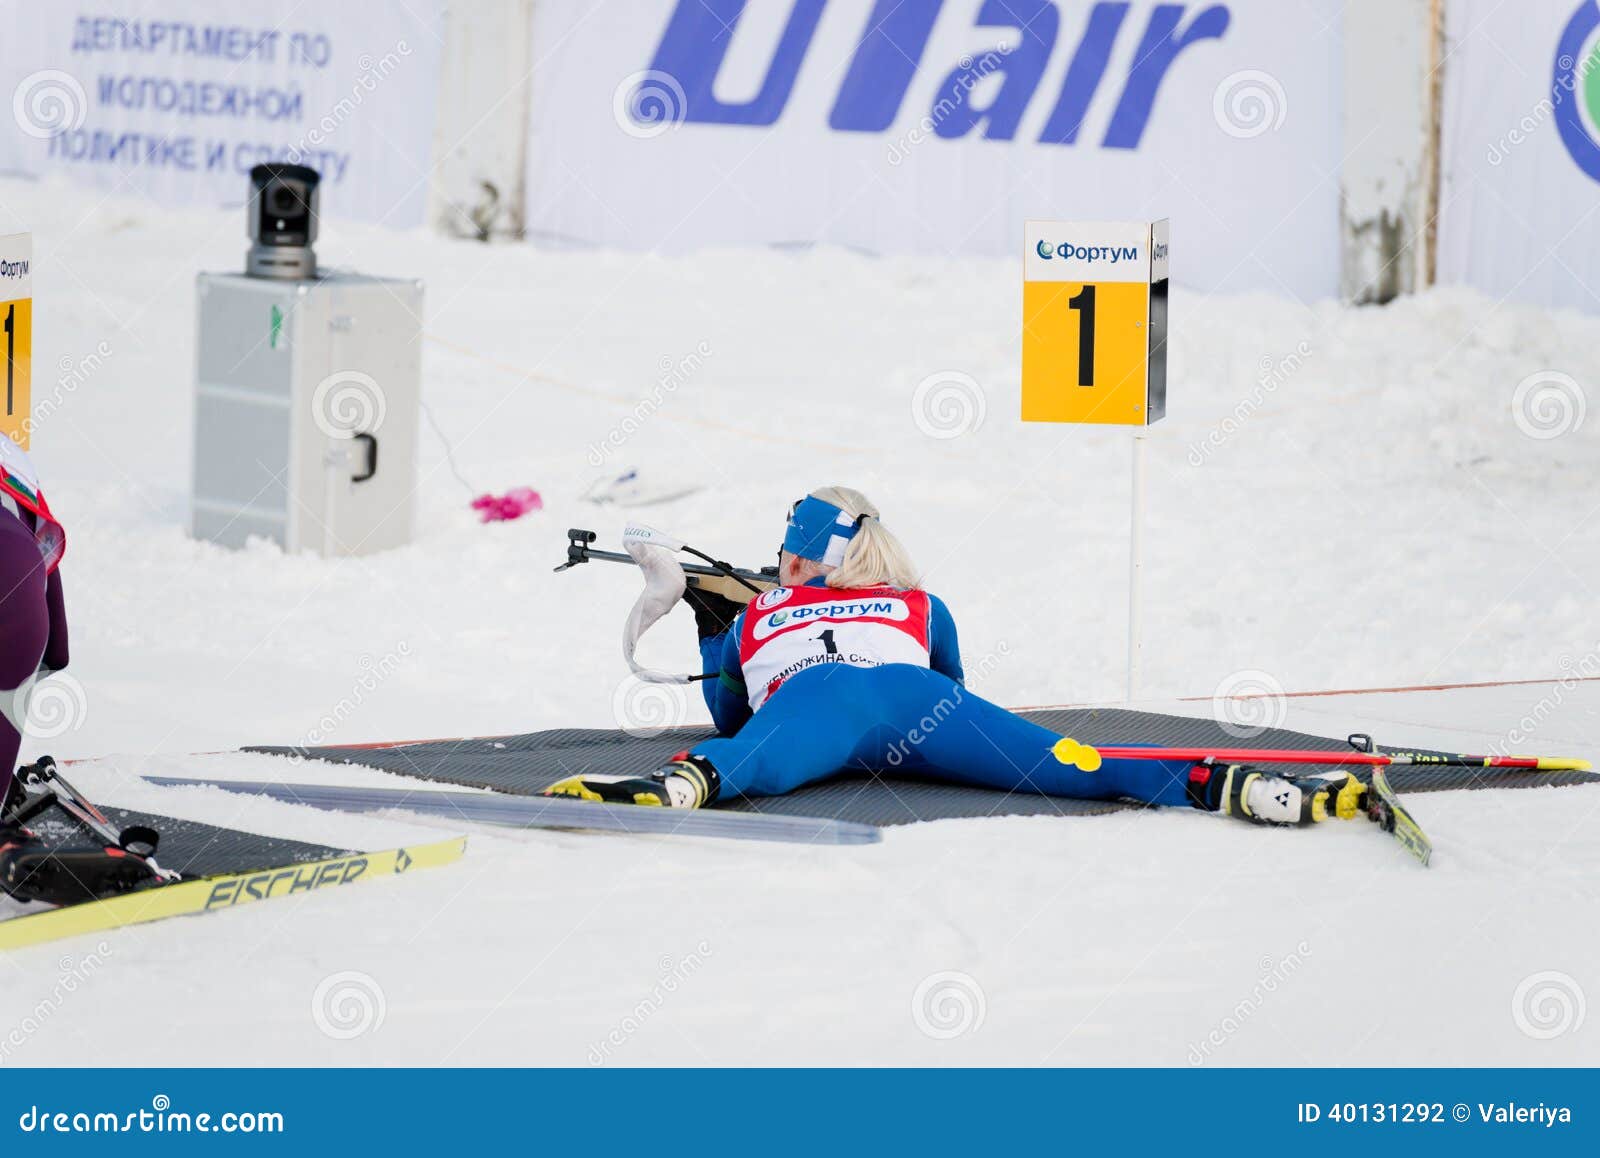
283 221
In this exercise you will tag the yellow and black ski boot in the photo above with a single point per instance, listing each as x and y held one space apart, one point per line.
1248 793
686 782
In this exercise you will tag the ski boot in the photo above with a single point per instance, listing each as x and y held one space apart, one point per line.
30 870
65 874
686 782
1248 793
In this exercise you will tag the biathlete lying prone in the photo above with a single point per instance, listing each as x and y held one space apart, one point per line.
841 669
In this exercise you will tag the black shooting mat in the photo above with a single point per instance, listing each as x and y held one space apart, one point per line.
189 847
528 764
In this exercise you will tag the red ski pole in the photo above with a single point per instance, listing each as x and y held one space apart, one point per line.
1088 757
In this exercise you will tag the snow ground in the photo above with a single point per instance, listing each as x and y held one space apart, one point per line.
1127 939
1377 518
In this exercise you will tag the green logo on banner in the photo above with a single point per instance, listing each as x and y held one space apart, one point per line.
277 326
1590 70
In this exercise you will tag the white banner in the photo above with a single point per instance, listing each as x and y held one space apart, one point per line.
1521 151
940 127
178 99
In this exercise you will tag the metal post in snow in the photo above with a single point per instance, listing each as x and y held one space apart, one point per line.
1135 568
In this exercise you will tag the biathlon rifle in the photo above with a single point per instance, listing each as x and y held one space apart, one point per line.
736 583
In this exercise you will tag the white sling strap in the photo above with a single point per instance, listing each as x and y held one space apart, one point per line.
664 583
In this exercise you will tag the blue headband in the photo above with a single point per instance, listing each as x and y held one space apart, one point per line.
819 531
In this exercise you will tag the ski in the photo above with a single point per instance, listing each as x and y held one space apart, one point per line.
1088 757
212 894
499 808
1384 807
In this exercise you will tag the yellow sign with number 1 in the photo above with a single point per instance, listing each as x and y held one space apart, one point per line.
16 335
1094 322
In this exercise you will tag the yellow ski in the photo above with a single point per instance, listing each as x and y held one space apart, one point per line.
224 891
1384 807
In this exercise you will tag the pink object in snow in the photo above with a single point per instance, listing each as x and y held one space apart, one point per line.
515 503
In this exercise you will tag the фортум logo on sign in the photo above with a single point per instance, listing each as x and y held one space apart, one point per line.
1575 87
1090 253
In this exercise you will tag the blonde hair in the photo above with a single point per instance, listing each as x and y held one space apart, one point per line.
874 557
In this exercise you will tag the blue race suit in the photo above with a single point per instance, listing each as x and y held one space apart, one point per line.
839 712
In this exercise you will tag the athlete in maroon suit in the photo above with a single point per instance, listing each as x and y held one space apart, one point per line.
33 620
33 642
